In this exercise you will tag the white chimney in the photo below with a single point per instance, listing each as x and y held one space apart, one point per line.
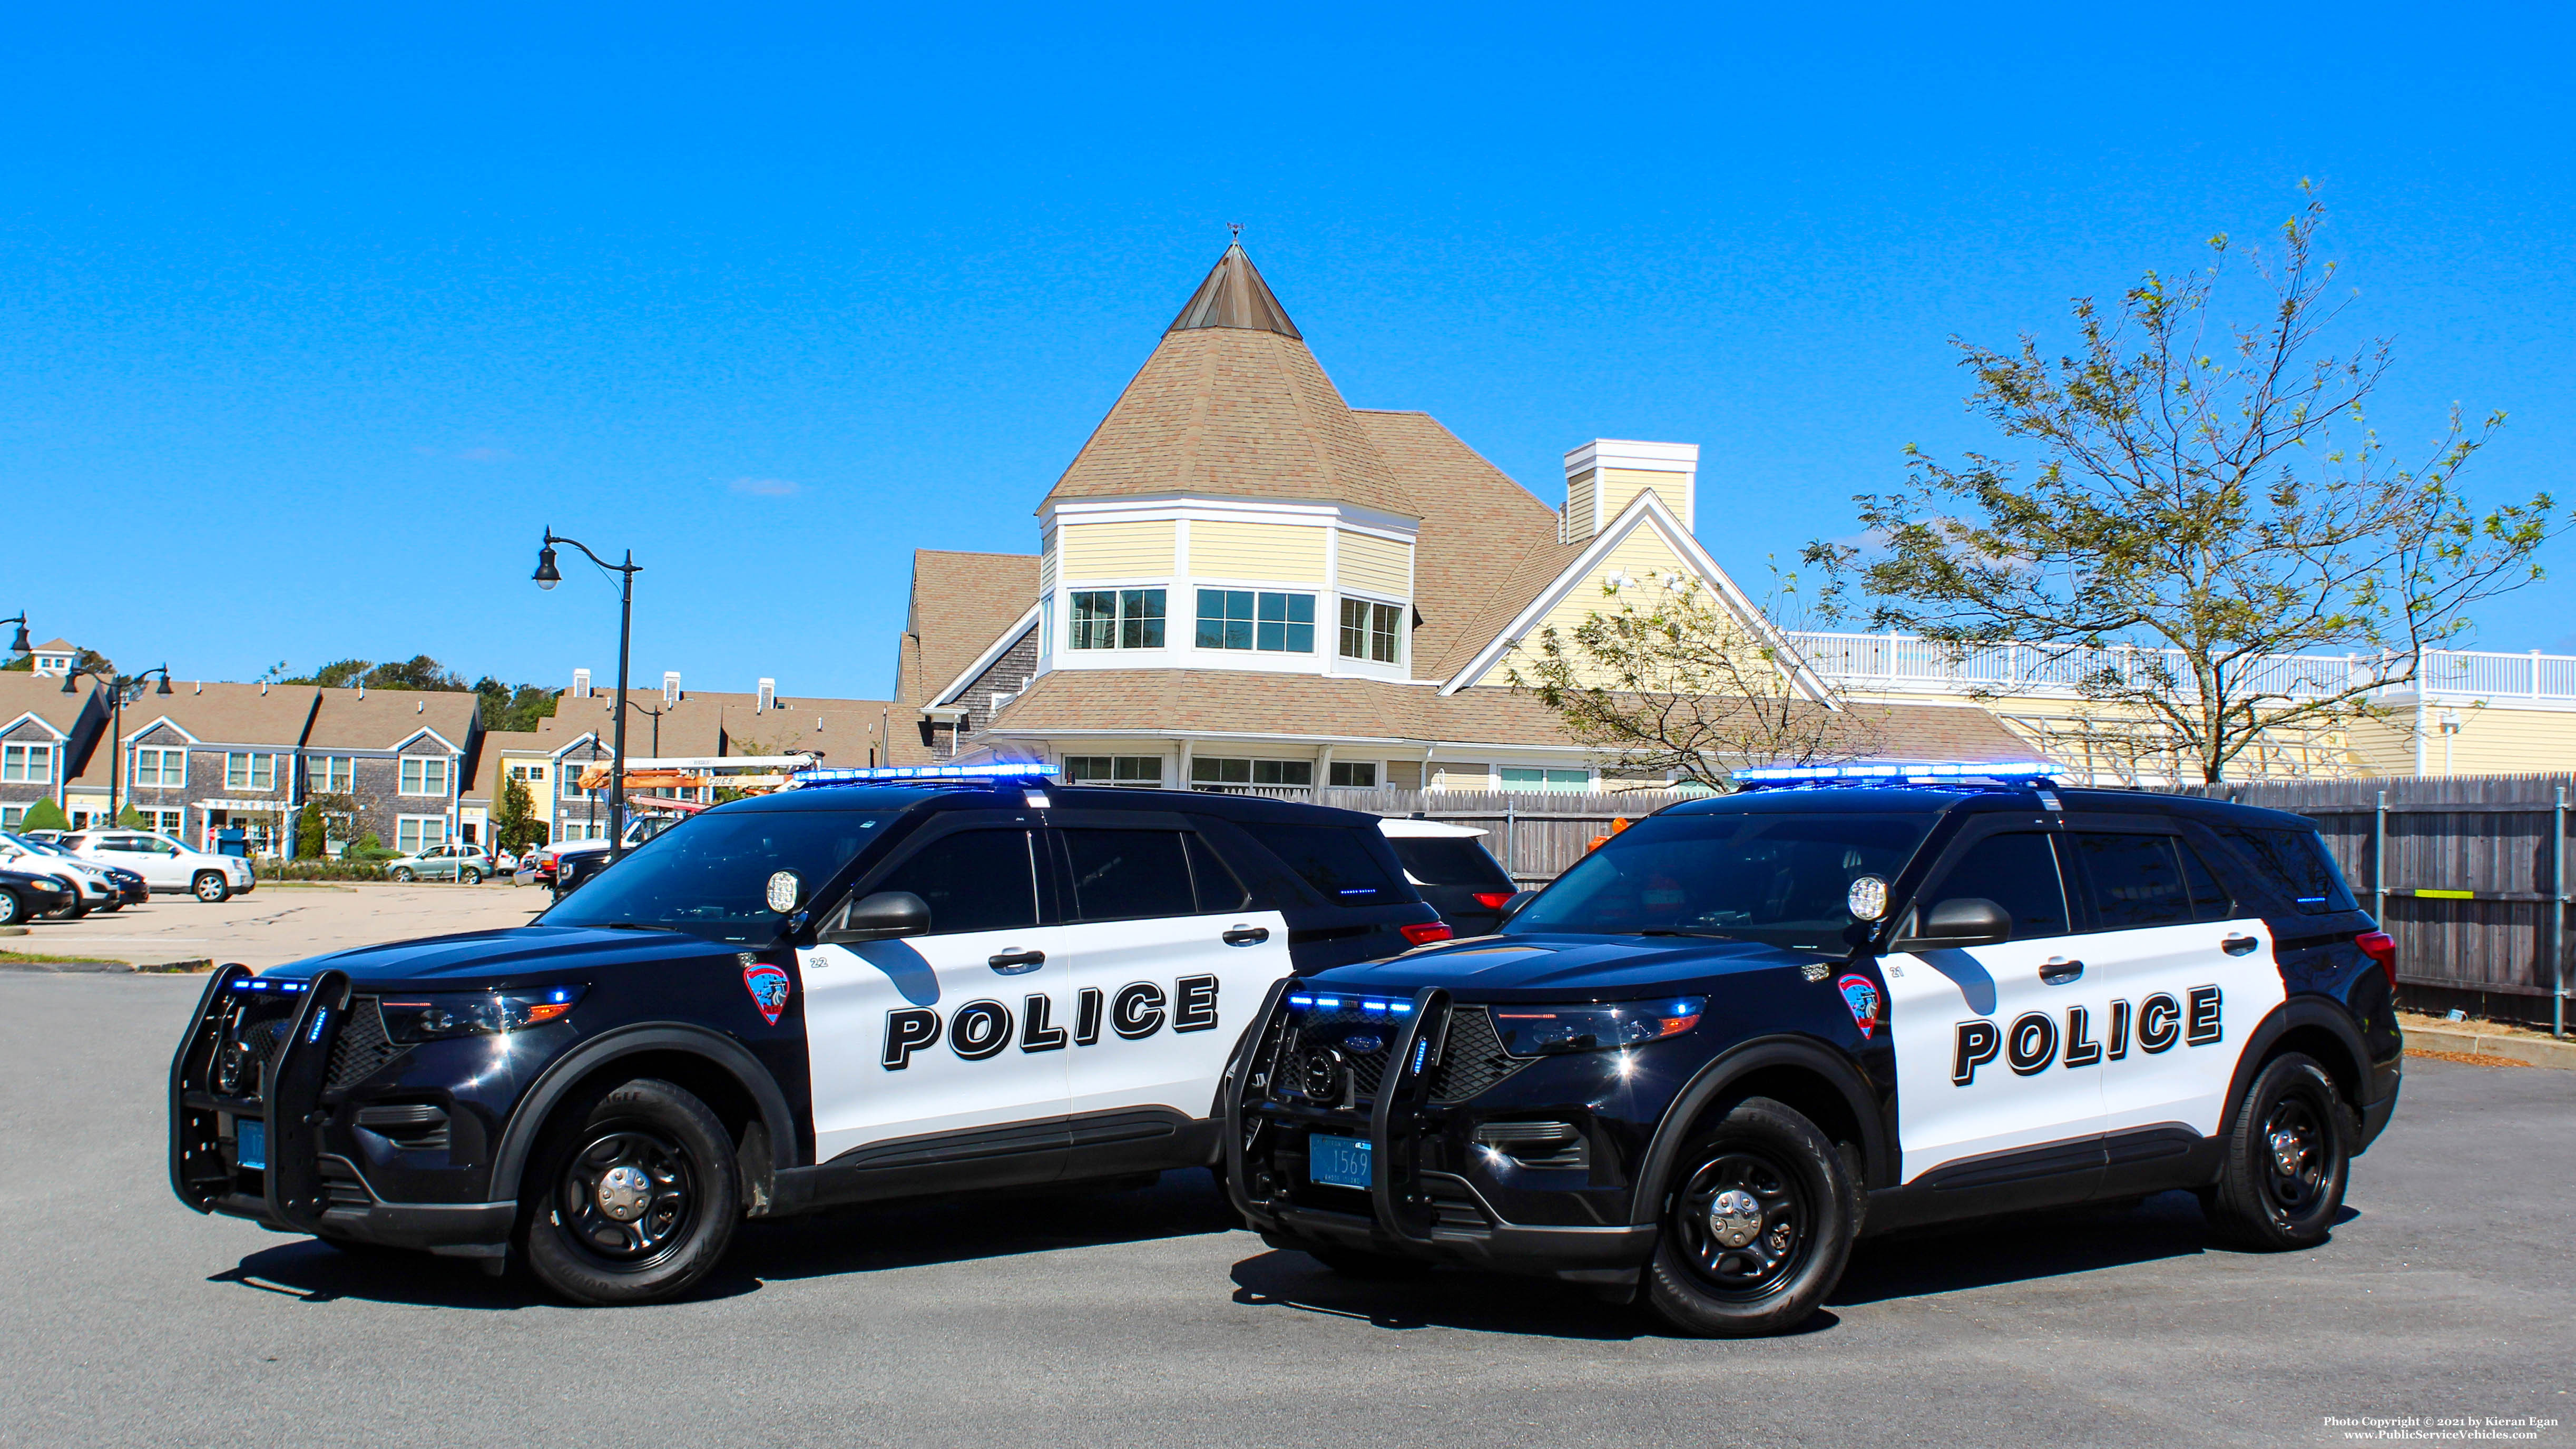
670 687
1605 475
768 696
581 684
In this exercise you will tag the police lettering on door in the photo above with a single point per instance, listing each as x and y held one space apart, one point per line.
2035 1041
986 1028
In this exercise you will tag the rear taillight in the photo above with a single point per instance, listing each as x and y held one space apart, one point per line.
1493 900
1423 933
2380 947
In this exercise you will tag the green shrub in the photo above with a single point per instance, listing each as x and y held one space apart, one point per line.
272 869
45 815
311 840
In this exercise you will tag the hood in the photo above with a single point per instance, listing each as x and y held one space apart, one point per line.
1563 968
502 957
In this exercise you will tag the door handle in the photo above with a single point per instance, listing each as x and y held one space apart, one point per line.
2239 945
1016 963
2057 971
1246 936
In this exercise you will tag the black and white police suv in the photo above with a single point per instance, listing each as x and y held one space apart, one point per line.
858 989
1751 1028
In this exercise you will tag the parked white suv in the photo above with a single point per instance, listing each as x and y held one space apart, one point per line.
165 864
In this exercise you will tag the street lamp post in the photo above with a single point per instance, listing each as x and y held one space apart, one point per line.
119 687
547 577
19 645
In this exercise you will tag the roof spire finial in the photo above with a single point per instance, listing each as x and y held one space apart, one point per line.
1234 296
1236 229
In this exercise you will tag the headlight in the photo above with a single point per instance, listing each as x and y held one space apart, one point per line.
473 1013
1535 1031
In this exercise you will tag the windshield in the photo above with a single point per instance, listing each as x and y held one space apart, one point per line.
1777 879
712 879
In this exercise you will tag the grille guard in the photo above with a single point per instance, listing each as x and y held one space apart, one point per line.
1402 1091
288 1106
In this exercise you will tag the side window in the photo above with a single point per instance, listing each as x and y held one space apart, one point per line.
1122 875
2017 872
2135 881
2296 864
1216 886
1334 859
975 880
2209 900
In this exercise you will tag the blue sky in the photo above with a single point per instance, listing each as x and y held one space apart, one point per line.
309 322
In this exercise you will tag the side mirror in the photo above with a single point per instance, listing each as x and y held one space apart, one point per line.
879 917
1513 906
1960 921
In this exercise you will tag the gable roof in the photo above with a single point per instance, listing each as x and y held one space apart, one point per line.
220 713
23 693
1232 405
381 719
961 603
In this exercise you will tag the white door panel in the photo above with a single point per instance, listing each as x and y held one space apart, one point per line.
925 1035
1989 1056
2180 1010
1169 997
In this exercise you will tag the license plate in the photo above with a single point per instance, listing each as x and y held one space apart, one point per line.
1338 1161
250 1145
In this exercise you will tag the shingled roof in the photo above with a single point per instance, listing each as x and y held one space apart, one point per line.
1232 405
961 603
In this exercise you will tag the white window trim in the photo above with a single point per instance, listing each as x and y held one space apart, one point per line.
160 767
1089 586
1319 595
1403 631
30 754
402 777
420 837
250 769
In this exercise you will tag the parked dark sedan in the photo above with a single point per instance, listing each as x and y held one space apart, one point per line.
1450 867
25 896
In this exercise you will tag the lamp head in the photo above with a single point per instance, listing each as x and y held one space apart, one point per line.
546 575
71 678
164 687
20 645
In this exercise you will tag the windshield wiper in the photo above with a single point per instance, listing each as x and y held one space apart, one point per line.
1683 931
629 926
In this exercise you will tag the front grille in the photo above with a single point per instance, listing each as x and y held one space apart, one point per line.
1473 1059
1336 1053
362 1049
241 1058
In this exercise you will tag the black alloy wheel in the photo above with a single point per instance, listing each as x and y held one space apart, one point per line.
637 1198
2286 1163
1757 1225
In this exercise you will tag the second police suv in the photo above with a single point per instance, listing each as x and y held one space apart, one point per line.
1750 1029
861 989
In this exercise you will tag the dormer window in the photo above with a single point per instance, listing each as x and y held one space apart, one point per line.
1117 619
1258 620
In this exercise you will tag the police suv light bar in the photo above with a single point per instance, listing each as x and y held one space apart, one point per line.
1898 772
1005 770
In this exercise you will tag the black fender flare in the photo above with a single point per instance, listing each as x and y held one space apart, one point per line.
2299 1011
556 1082
1732 1065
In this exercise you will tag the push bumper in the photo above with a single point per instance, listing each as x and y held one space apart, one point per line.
295 1187
1413 1211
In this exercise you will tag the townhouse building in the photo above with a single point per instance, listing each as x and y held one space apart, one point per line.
45 738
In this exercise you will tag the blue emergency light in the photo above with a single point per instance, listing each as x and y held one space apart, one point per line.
1896 773
1002 770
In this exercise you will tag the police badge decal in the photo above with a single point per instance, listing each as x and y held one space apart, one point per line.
1861 995
768 987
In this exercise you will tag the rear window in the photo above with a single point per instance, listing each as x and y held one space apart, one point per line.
1337 860
2295 863
1453 860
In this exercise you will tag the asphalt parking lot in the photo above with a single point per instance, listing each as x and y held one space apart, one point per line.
1140 1318
278 923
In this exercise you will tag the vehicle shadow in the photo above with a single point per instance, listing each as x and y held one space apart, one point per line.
921 1232
314 1271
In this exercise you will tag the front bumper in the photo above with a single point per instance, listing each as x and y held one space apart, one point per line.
1412 1211
297 1187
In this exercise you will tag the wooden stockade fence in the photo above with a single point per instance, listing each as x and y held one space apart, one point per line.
1535 834
2469 873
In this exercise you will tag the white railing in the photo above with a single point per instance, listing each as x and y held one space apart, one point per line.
1910 663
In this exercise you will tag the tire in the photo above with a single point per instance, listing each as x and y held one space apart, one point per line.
402 873
1757 1226
1377 1267
637 1197
2286 1160
12 909
211 887
73 912
469 876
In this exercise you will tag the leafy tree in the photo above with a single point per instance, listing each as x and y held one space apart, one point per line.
45 815
1668 678
513 707
2192 493
418 672
515 825
312 834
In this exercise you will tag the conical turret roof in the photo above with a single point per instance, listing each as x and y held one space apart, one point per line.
1232 405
